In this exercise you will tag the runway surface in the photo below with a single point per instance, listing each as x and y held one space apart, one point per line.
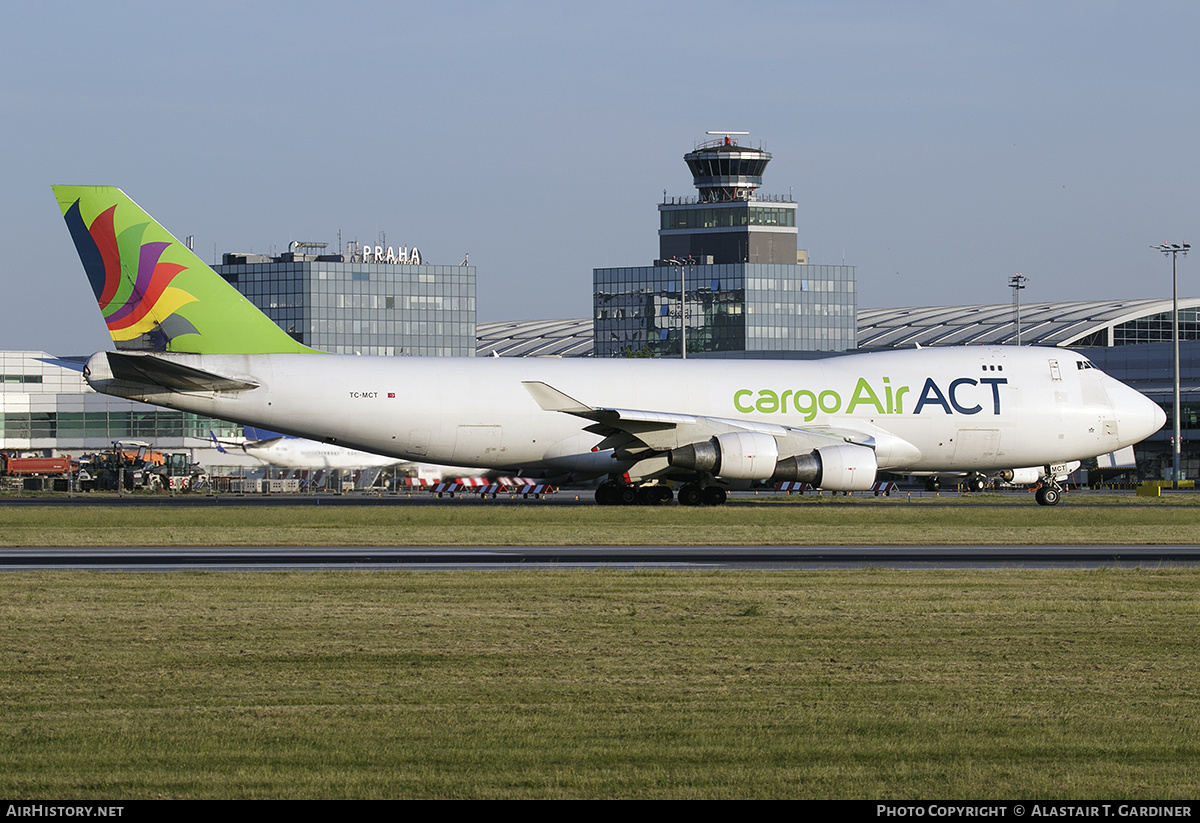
238 558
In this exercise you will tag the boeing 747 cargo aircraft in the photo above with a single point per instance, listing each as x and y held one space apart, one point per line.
186 339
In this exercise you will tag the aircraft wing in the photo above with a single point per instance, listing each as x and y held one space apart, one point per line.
635 433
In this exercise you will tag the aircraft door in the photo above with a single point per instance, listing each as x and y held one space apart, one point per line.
477 445
418 442
981 446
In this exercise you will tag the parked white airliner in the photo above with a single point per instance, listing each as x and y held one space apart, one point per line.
288 452
188 340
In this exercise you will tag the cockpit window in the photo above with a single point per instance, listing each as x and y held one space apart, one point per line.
1084 364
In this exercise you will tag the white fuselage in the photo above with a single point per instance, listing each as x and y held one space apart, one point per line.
946 409
300 453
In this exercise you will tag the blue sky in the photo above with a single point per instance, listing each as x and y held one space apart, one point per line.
938 146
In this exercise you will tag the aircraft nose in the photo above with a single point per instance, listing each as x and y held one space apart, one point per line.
1138 416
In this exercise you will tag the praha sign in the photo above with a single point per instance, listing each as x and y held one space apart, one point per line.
400 255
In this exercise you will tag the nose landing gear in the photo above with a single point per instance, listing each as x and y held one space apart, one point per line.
1048 495
1049 491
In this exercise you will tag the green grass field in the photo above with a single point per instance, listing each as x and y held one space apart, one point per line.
605 683
869 684
799 521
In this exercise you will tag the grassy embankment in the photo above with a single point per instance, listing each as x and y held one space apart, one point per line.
872 684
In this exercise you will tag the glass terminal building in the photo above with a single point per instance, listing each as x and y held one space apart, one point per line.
748 291
363 302
754 309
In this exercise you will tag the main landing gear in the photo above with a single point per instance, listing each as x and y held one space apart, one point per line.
693 494
614 493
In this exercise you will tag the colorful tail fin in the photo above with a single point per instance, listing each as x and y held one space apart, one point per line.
155 294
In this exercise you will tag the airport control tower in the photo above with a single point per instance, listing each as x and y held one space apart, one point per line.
728 281
727 222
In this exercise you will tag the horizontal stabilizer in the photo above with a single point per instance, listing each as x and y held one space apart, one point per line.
144 368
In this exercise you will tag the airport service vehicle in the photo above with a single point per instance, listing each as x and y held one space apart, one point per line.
133 465
59 466
188 340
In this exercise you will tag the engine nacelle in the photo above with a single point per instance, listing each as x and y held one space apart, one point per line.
740 455
1021 477
838 468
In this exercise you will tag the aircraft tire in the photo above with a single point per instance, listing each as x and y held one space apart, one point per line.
932 484
647 495
654 495
605 495
626 495
1047 496
690 495
975 484
714 496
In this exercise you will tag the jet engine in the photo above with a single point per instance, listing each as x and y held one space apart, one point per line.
838 468
755 456
741 455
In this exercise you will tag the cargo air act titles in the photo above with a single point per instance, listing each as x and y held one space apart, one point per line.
966 395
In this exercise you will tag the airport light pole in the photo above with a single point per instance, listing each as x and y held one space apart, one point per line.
683 311
683 264
1016 284
1175 249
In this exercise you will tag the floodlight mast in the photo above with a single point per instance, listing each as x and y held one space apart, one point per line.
1175 249
1016 284
682 264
